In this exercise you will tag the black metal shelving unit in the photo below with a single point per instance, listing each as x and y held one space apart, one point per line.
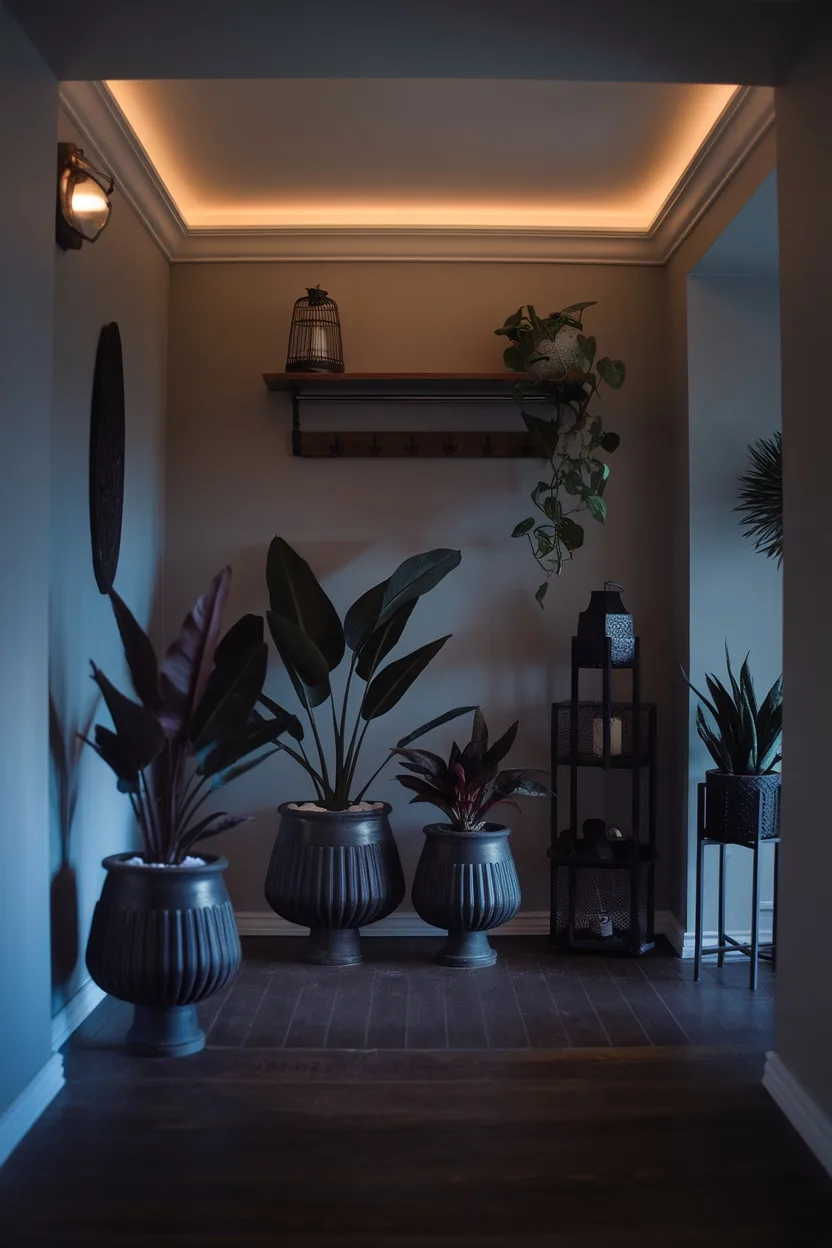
604 904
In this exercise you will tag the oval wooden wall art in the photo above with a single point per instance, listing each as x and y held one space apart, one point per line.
107 457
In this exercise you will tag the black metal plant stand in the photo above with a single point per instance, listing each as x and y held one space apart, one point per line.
753 949
602 895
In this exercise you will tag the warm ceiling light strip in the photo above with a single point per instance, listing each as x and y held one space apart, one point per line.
634 214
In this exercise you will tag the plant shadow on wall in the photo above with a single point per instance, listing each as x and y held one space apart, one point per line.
555 352
335 865
65 746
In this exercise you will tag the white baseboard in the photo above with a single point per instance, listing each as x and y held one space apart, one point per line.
402 923
803 1112
72 1015
24 1112
688 946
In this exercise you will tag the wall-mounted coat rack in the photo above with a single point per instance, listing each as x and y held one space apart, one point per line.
402 387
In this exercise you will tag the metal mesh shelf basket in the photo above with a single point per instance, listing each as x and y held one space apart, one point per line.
603 906
627 750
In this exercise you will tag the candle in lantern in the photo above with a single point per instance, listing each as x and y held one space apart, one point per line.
598 737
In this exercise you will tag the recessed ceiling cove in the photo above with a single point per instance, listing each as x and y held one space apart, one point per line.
420 153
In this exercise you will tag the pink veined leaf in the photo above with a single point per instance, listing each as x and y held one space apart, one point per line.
189 660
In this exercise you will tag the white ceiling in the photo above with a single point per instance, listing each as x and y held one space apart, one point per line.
420 153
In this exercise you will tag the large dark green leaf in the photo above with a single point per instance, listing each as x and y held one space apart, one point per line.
308 669
424 762
578 307
570 533
394 680
613 372
224 754
295 594
141 737
597 507
293 725
540 593
225 777
188 663
610 442
139 653
232 692
514 358
211 825
521 782
379 644
426 793
362 616
495 755
434 723
521 529
414 577
110 748
240 639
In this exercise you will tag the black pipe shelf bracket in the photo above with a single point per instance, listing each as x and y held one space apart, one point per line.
480 388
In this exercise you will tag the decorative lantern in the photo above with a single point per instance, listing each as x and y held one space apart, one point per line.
315 336
606 616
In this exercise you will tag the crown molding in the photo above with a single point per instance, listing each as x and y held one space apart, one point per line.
743 123
91 107
747 118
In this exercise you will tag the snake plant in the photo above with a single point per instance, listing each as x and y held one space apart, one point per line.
744 737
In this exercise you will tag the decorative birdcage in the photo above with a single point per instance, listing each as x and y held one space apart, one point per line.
315 335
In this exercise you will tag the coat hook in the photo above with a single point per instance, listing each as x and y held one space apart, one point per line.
487 448
336 447
450 447
412 447
375 447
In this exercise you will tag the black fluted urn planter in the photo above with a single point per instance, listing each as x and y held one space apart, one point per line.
334 871
163 939
467 883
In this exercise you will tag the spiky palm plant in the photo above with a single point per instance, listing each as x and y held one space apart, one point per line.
761 497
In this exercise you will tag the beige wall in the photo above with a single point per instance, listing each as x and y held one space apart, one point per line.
28 98
803 1030
231 485
122 278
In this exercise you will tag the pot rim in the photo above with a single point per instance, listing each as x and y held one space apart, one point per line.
445 829
382 808
753 775
118 862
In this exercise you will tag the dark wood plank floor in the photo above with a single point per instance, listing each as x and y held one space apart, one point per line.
399 998
546 1101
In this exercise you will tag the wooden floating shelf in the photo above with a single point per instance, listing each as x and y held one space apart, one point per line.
409 388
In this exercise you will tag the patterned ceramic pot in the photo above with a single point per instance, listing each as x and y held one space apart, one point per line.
467 883
163 939
733 805
561 355
334 871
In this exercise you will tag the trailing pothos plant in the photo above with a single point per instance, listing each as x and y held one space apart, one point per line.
571 438
471 782
193 727
312 642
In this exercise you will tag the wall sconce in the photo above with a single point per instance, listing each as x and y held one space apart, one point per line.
83 199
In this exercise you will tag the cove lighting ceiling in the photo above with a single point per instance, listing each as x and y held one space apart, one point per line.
421 154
